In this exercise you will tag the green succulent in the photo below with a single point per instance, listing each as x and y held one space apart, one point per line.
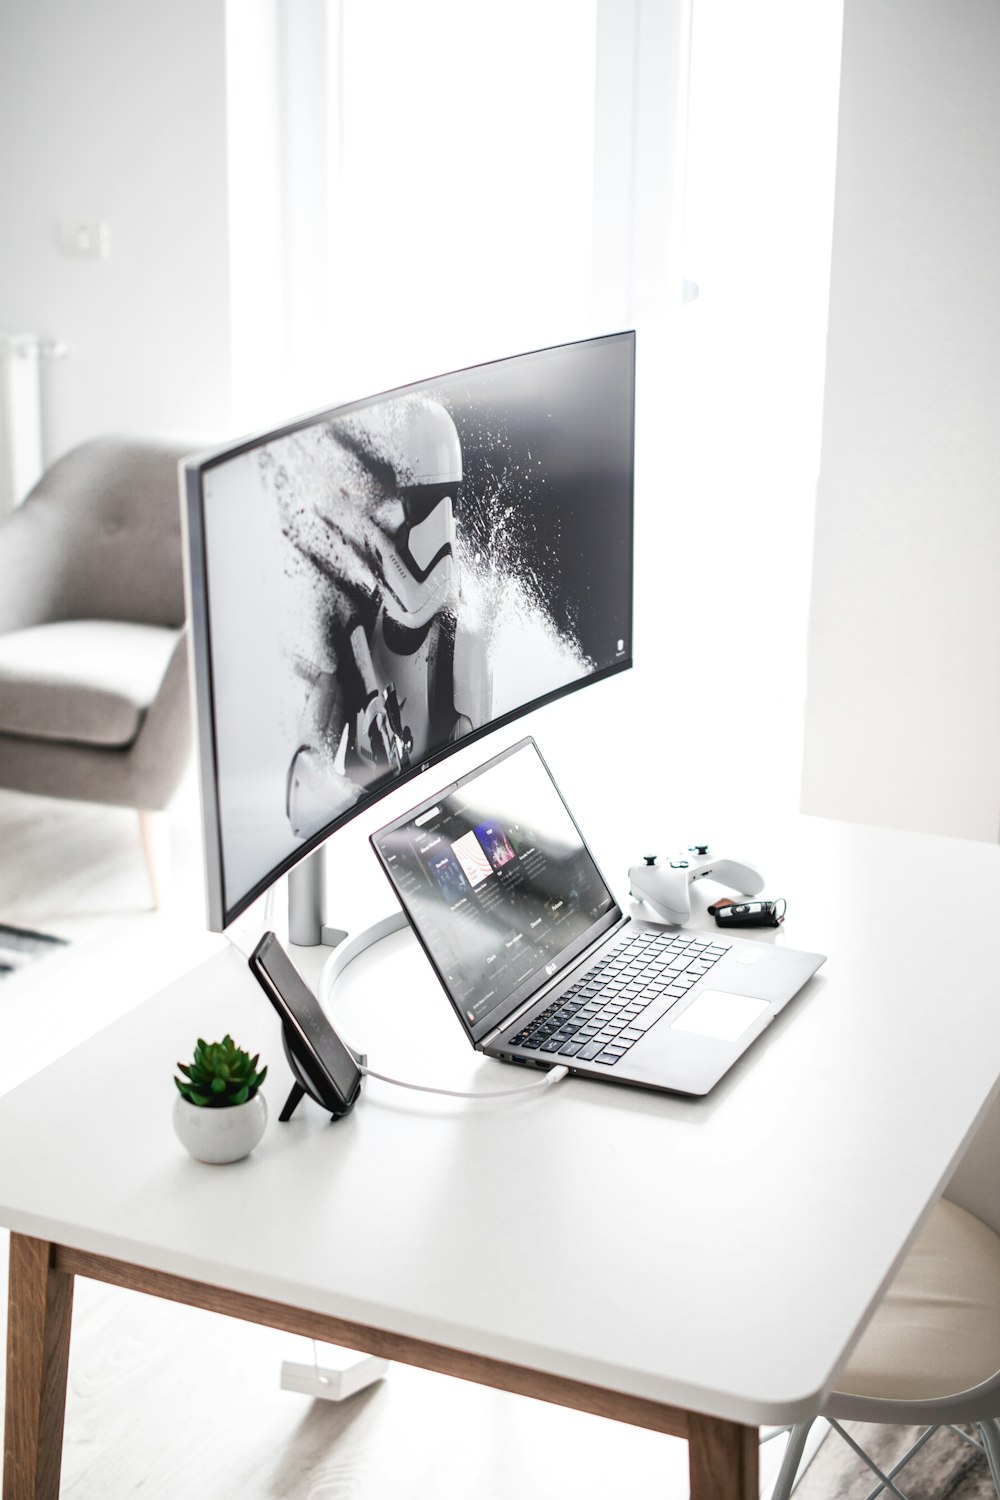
221 1075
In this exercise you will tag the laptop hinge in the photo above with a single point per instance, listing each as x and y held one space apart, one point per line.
525 1005
516 1015
557 979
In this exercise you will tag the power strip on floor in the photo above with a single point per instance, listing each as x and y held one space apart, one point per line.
342 1373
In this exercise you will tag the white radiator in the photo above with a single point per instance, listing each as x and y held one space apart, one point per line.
21 454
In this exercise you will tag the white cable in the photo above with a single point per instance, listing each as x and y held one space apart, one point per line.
551 1077
233 936
237 945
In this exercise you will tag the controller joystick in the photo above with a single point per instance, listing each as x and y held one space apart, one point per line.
666 886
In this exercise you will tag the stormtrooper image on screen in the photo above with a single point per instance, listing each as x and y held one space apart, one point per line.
394 668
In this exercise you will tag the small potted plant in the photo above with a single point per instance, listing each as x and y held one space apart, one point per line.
219 1114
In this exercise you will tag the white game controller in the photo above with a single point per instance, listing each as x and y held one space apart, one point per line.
665 887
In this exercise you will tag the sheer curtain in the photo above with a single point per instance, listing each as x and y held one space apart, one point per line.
462 224
416 187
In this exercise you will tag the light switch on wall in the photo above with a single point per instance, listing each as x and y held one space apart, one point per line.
84 241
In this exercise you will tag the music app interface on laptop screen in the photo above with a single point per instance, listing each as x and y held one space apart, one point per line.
496 881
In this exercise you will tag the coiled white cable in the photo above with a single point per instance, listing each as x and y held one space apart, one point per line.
552 1076
353 950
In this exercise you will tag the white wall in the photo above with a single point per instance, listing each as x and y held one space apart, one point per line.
903 711
115 111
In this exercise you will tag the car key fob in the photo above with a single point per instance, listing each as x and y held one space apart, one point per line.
749 913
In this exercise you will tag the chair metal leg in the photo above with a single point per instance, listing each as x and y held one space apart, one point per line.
886 1479
989 1431
788 1472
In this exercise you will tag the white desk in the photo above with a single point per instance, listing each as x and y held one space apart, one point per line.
699 1267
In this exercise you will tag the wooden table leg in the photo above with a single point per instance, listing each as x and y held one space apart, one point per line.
39 1311
723 1459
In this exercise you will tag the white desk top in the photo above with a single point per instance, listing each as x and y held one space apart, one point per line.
719 1254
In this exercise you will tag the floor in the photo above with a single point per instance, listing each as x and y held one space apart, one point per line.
144 1375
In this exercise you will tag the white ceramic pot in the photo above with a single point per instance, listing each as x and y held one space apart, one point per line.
220 1135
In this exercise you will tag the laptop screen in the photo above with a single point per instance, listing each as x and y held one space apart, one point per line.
497 883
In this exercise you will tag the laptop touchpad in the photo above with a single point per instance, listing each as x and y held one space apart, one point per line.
716 1014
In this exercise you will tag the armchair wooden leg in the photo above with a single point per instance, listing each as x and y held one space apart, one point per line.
723 1459
39 1312
154 830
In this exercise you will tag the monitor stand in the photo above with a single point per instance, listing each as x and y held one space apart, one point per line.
307 904
306 928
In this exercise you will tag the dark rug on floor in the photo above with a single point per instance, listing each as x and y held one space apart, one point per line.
946 1468
20 947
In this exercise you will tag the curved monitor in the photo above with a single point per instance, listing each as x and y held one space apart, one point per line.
376 584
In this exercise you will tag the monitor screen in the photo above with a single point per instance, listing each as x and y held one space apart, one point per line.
380 582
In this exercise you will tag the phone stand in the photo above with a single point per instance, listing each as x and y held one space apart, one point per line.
304 1084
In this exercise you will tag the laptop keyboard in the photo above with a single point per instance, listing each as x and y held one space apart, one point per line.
613 1005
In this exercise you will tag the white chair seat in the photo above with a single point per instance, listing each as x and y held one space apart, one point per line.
937 1329
82 681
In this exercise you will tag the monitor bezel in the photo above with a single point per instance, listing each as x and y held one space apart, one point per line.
192 472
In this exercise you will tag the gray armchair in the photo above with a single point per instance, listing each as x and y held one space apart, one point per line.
93 657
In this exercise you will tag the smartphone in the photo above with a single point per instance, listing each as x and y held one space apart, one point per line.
328 1069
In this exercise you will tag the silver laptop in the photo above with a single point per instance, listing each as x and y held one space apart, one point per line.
538 960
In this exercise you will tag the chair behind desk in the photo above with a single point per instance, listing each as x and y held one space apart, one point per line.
931 1354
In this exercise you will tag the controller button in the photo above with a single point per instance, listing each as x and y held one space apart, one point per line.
679 864
650 859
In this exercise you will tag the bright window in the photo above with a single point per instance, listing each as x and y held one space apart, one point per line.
461 221
416 187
